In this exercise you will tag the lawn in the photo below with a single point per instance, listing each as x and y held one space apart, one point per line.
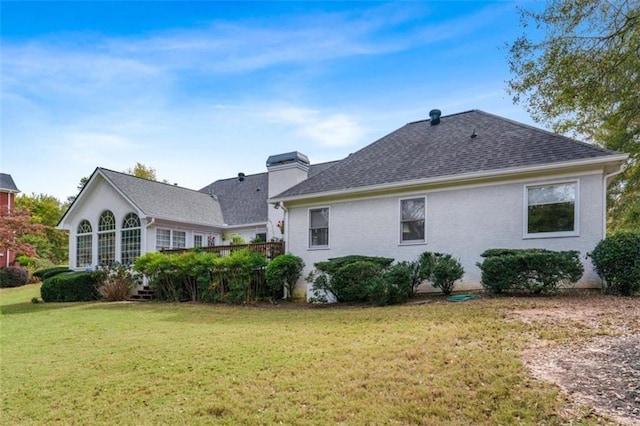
156 363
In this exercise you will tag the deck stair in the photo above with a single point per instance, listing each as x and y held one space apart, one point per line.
142 295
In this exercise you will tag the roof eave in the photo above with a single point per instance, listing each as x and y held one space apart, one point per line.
459 179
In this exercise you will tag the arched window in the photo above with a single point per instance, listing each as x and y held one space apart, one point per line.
107 238
130 238
84 244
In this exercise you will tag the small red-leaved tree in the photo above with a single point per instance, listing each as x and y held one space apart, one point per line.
15 225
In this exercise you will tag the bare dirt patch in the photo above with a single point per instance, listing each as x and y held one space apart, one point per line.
595 354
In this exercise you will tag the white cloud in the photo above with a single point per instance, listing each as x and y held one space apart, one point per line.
326 129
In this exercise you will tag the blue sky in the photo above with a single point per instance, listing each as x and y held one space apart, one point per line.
203 90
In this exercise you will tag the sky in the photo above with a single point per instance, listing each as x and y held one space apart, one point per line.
200 91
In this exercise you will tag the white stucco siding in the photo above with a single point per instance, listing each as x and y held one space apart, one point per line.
464 222
99 198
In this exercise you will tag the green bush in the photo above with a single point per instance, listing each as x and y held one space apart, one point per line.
441 269
284 270
617 260
529 270
332 265
395 285
49 272
197 275
69 287
13 276
237 278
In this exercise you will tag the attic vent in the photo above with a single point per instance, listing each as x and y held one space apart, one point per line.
240 176
435 114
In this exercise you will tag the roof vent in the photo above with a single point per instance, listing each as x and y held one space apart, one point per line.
474 134
434 114
240 176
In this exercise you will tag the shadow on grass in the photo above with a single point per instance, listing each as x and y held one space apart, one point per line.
29 307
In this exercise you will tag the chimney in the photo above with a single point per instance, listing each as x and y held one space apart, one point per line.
284 171
434 114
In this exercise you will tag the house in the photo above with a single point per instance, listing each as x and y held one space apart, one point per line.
458 184
119 217
8 191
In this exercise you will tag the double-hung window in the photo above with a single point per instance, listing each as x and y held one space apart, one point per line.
412 220
551 210
84 244
319 228
107 238
167 238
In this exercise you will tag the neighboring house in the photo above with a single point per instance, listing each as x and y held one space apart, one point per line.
458 184
8 191
119 217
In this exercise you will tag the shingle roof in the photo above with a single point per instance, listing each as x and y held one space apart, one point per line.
245 202
420 151
161 200
7 184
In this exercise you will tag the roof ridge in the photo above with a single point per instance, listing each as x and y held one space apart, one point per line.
147 180
549 132
444 116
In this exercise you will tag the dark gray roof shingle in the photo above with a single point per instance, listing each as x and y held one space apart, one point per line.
419 151
245 202
161 200
7 184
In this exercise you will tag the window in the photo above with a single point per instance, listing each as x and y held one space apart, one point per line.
179 239
107 238
163 239
197 240
319 227
551 209
412 220
84 244
130 237
166 238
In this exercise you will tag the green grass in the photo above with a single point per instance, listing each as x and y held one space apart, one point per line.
153 363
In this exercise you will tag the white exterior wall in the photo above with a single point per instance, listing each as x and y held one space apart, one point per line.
100 197
463 222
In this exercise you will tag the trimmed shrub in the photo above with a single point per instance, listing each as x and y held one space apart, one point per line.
13 276
393 286
284 271
43 274
350 283
441 269
529 270
332 265
617 260
69 287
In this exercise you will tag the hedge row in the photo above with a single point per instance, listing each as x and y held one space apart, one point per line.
529 270
69 287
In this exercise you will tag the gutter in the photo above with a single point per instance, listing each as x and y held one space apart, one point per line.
454 179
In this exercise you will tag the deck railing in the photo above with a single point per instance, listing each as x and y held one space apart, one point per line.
270 250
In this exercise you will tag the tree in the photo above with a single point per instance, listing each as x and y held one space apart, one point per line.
45 210
15 225
582 78
142 171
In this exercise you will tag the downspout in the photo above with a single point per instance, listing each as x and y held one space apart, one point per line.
621 168
286 223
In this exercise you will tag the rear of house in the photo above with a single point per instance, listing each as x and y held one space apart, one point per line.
471 182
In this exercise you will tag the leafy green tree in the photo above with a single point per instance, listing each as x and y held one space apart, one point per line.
142 171
45 210
581 78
